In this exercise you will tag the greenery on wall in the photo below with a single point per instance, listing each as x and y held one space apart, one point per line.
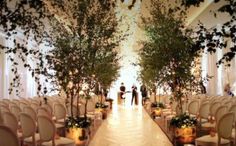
218 36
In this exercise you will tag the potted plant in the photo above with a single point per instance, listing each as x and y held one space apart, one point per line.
184 128
157 108
83 57
169 53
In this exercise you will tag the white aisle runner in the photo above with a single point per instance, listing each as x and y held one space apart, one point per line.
129 126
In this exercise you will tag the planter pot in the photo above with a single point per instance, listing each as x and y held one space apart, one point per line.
79 135
185 135
104 114
110 102
157 112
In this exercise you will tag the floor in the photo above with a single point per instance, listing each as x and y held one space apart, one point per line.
129 126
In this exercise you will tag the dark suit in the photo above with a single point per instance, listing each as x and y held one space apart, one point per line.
134 95
122 91
143 91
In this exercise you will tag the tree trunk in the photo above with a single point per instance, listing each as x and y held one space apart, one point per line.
71 104
155 98
85 110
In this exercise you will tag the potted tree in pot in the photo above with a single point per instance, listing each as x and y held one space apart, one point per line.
168 55
106 72
81 53
69 77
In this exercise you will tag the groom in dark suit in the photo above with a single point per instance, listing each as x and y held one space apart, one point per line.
134 95
122 91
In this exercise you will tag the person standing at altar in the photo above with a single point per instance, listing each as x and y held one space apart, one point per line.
134 95
122 90
143 91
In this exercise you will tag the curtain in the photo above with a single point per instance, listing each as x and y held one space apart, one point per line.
28 85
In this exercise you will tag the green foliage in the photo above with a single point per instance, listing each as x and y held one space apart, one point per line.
100 105
183 121
168 54
87 54
78 122
92 24
158 105
217 37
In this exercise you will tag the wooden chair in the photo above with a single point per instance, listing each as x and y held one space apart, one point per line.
47 132
8 137
59 113
223 136
204 112
28 125
193 107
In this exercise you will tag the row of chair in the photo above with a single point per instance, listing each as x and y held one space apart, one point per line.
14 113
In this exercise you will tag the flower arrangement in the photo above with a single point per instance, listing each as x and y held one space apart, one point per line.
100 105
158 105
183 121
78 122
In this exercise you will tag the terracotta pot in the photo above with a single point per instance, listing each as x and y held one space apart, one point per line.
185 135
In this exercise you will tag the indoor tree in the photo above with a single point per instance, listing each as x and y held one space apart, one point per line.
83 37
168 54
82 55
44 21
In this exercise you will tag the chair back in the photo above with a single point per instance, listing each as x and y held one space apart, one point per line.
30 111
16 111
2 103
1 118
4 108
220 112
22 105
233 109
8 137
193 107
48 108
228 103
59 111
43 111
28 125
204 110
10 121
35 106
213 107
47 129
225 126
90 106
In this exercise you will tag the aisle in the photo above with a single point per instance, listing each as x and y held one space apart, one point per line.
129 126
